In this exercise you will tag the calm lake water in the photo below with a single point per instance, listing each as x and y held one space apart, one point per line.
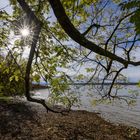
118 111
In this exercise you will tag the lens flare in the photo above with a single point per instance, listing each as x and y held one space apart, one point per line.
24 32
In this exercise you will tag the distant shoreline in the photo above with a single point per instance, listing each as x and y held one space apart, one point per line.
41 86
103 84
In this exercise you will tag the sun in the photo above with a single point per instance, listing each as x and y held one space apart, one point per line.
25 31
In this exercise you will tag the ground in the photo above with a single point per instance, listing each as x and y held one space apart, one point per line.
20 120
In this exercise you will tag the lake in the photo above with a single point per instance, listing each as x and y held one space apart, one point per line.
118 111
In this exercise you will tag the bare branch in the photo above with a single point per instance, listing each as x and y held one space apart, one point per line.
79 38
110 89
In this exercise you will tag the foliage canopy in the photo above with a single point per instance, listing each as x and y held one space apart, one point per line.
100 36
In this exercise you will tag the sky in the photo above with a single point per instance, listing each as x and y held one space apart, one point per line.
132 73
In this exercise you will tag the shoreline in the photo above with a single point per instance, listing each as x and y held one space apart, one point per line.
25 120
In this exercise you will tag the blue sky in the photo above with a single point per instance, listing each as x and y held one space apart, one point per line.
132 73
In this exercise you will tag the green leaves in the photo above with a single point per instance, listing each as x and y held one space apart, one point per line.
80 77
89 70
133 5
4 15
135 19
117 1
36 78
11 78
54 51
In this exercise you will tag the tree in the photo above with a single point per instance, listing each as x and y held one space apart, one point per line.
92 25
135 6
10 77
79 38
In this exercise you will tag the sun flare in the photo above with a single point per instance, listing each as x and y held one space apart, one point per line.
24 32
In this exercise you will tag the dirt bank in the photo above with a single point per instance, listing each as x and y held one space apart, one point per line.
25 121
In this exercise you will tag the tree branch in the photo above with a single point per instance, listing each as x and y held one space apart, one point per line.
79 38
37 31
